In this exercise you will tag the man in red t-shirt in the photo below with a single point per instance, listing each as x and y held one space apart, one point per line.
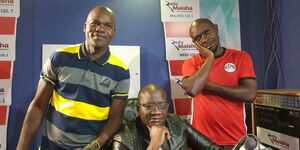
220 80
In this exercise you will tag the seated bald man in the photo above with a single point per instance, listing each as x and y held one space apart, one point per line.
155 129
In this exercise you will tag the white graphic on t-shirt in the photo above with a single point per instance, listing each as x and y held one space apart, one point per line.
229 67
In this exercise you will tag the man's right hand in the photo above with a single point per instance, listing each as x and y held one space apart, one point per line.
157 135
204 51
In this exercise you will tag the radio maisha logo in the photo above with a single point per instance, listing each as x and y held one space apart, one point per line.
276 141
4 46
173 6
180 45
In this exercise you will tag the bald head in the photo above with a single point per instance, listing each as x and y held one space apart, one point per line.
151 93
100 10
200 21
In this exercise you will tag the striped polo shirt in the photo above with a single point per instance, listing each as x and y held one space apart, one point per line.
82 95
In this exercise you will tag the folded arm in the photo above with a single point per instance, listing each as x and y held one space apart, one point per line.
245 91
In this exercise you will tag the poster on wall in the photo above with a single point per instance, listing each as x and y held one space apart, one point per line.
7 47
3 126
7 38
9 12
179 45
183 107
9 8
177 90
5 82
175 79
182 102
179 10
130 55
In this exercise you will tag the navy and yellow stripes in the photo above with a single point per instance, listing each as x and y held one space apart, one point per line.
78 109
82 96
74 125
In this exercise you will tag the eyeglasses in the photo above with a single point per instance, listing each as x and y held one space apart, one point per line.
206 33
151 107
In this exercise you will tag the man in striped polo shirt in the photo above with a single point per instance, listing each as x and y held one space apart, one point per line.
82 91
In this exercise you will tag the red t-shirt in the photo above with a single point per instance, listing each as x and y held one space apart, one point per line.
221 120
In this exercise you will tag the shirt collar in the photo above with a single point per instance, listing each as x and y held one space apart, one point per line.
223 53
101 60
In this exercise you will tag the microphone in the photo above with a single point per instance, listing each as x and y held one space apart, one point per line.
250 142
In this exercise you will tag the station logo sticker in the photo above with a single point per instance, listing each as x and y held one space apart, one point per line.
230 67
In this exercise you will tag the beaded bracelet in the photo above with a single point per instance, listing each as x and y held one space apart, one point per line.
94 145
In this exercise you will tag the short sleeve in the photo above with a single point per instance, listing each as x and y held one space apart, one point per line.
49 73
122 87
247 66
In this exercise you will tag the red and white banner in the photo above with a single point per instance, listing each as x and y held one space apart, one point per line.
177 16
9 12
182 102
7 38
179 10
179 45
3 126
183 107
10 8
5 82
175 79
